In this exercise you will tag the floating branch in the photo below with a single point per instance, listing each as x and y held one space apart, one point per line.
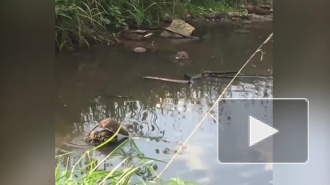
209 74
241 76
214 73
168 80
220 74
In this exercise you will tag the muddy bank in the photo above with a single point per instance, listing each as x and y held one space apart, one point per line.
146 45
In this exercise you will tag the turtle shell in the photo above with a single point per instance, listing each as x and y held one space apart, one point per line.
99 137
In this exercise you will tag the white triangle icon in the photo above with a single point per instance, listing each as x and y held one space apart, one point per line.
259 131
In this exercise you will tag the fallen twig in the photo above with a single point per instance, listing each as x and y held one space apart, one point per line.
168 80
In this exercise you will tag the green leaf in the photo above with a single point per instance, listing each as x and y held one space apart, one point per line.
105 20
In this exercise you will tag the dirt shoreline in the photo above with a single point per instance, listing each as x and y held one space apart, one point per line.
213 18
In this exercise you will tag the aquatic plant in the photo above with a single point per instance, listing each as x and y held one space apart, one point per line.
87 173
178 181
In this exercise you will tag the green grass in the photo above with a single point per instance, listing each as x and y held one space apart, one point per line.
77 23
82 22
211 5
135 165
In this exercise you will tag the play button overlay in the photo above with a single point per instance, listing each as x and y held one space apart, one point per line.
258 131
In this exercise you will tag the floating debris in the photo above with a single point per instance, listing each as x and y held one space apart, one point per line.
241 31
180 27
168 80
139 50
181 55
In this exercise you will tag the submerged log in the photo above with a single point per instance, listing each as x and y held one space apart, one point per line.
191 77
177 34
168 80
208 74
216 74
220 74
168 34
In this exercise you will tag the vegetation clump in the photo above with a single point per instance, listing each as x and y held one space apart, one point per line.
132 168
81 22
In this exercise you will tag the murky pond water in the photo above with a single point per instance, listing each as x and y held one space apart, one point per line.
161 115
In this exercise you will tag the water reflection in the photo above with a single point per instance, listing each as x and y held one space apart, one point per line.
168 118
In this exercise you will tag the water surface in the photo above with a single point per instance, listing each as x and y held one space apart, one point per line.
163 114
